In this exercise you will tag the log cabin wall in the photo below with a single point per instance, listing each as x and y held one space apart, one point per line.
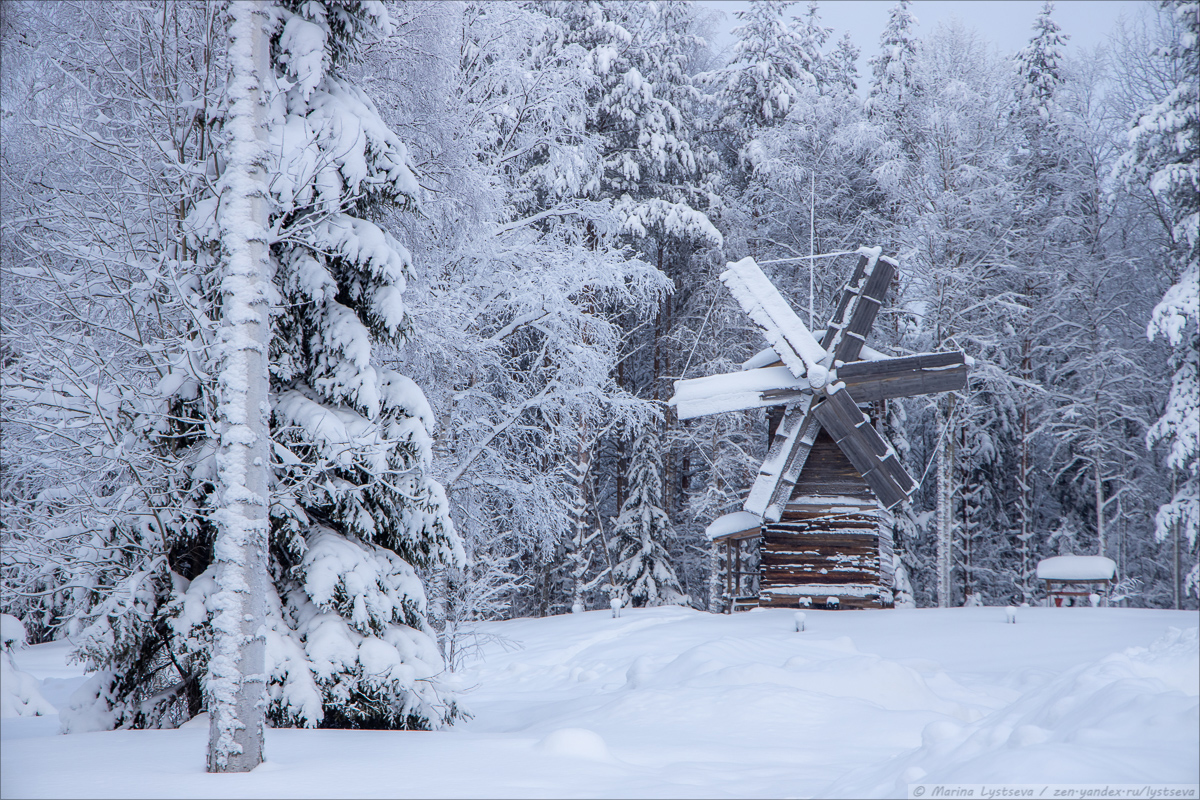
832 540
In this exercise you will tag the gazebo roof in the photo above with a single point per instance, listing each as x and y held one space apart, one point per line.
729 524
1077 568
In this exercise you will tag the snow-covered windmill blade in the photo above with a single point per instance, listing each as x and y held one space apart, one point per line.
873 457
736 391
868 382
783 330
789 449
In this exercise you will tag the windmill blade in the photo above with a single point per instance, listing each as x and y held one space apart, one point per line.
927 373
860 302
880 379
736 391
785 458
849 294
783 330
868 452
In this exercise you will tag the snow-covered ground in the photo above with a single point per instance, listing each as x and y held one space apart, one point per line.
671 702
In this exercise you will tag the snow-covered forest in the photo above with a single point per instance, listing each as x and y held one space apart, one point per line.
477 242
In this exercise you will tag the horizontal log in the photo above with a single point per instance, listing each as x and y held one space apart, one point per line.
836 542
776 582
846 602
810 559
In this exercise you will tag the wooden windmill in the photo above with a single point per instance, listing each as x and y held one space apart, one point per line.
821 501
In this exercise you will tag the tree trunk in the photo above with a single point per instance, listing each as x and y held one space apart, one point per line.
1026 509
945 511
236 681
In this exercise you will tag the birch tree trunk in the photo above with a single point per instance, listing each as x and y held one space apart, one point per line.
236 679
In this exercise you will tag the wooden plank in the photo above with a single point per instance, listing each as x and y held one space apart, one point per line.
895 366
871 297
860 442
928 373
867 390
829 473
899 475
849 293
794 465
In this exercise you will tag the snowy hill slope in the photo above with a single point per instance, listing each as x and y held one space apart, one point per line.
671 702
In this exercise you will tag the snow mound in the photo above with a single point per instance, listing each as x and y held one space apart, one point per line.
12 632
575 743
1131 716
19 691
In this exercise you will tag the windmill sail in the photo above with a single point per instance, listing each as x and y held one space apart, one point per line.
790 338
868 452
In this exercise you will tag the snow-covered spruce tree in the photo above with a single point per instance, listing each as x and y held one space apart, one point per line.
643 575
773 60
1164 152
895 80
1046 240
642 108
353 508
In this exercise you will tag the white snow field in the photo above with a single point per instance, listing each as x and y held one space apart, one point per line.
671 702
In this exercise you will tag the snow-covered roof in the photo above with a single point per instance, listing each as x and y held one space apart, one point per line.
737 522
1077 568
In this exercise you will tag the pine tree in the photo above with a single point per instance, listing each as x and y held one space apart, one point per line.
1164 153
643 575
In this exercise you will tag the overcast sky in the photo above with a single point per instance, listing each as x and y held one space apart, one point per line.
1006 23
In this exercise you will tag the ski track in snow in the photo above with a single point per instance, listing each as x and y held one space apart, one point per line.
670 702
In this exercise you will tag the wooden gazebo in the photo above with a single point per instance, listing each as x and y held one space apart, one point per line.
1071 580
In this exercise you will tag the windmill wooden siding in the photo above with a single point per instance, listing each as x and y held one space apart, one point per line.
832 540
